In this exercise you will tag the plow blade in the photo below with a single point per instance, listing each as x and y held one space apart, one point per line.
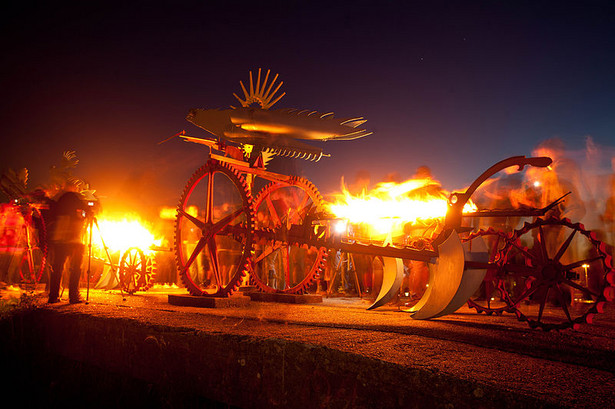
448 282
476 250
392 277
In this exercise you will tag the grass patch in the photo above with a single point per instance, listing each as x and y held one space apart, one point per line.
27 301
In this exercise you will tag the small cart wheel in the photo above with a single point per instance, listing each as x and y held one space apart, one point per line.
137 271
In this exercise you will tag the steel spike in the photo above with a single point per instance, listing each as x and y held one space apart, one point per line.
251 84
266 95
245 92
258 82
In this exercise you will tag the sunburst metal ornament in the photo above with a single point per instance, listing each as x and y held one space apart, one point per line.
259 95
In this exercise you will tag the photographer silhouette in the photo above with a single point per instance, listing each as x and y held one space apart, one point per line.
69 216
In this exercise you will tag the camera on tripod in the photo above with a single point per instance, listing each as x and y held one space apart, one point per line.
92 209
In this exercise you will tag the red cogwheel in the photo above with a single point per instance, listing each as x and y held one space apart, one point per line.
137 270
280 265
495 291
562 264
214 230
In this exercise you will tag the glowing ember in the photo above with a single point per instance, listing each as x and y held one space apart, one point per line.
389 207
122 234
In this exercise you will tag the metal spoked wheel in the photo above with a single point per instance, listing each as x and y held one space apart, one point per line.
214 230
495 290
562 266
33 241
279 264
137 271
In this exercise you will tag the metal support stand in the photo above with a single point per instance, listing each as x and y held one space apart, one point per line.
88 273
346 260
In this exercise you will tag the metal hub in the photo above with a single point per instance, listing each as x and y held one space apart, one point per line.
552 271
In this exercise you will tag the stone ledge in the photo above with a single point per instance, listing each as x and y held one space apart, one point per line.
239 370
186 300
286 298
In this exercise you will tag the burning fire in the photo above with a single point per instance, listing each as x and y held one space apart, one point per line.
120 234
388 208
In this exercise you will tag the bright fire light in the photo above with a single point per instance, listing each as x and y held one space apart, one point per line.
341 227
390 206
123 233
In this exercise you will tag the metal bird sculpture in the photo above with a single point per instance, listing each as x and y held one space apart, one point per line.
276 132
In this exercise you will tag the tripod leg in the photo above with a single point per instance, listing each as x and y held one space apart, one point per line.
356 274
89 272
332 278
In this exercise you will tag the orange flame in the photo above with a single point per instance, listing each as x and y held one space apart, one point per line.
388 208
122 233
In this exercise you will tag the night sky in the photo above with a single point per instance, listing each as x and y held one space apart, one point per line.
456 86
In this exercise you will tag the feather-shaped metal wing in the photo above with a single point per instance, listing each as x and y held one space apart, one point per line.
241 123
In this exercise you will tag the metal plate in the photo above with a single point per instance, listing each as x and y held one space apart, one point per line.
392 277
475 250
445 278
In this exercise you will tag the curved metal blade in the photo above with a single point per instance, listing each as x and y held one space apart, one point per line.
445 278
392 277
474 250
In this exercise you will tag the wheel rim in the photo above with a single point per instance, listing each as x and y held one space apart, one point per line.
34 257
279 265
551 258
495 291
214 230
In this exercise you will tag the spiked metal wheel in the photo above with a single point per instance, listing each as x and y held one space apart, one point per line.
214 230
561 264
495 290
281 265
137 271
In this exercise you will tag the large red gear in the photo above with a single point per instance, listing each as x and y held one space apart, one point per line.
546 270
278 206
214 261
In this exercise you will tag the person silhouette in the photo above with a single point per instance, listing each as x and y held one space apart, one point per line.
68 219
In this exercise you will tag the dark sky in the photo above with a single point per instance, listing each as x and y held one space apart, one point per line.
456 86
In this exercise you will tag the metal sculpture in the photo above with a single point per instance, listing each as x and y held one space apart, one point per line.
222 232
26 237
276 132
229 229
